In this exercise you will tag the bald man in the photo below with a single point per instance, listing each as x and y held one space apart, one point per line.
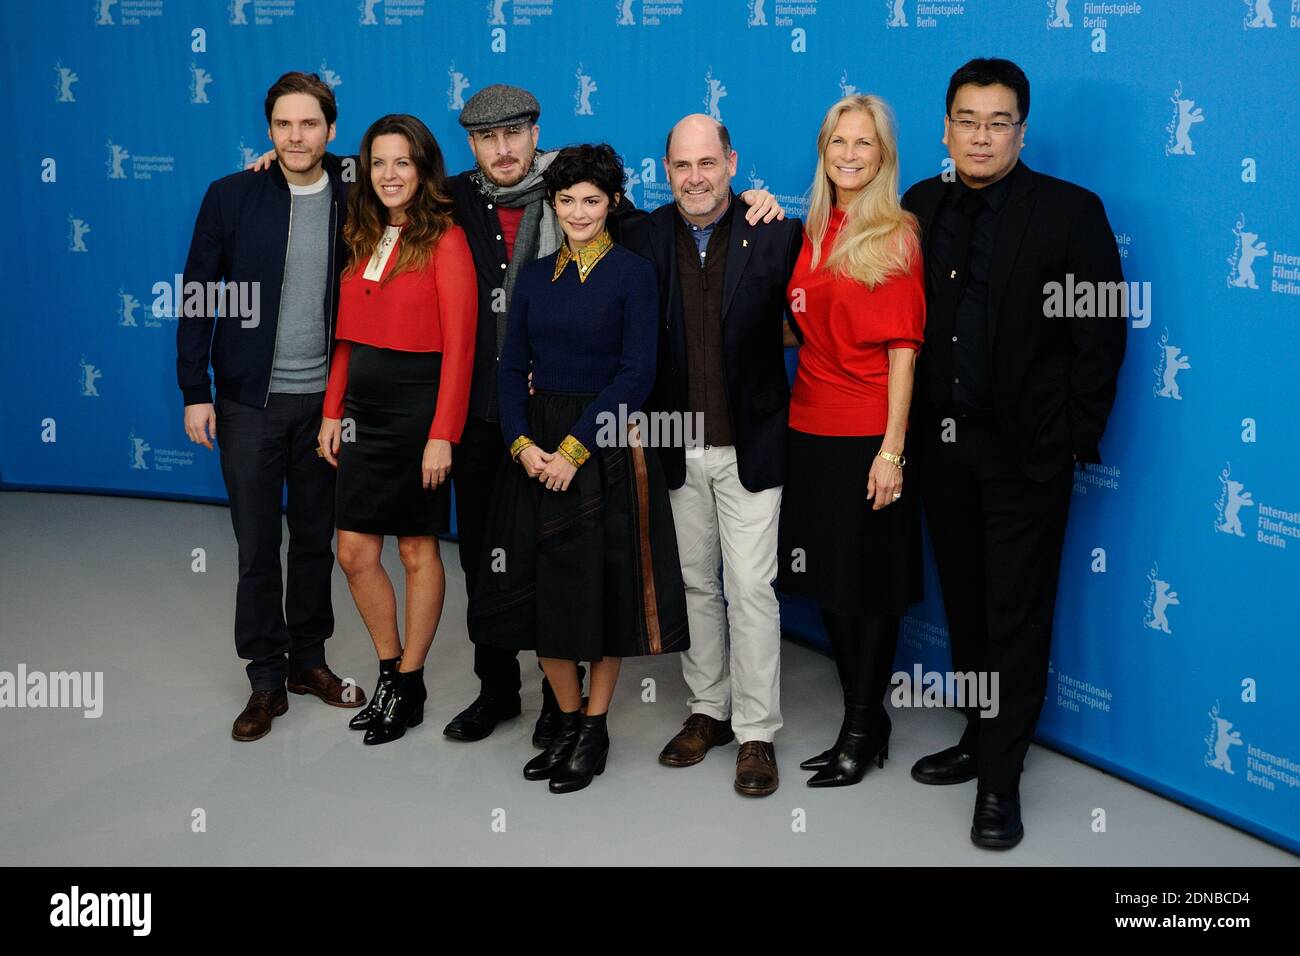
722 282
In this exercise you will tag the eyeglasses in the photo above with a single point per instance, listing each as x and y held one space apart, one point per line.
997 127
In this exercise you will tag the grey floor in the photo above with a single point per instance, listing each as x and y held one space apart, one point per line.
105 584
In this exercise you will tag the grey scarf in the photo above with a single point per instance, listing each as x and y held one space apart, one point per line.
539 230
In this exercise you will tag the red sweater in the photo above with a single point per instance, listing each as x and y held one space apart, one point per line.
510 219
432 310
842 383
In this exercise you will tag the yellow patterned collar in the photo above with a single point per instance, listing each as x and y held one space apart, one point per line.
586 257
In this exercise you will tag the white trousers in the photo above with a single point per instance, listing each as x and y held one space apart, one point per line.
726 537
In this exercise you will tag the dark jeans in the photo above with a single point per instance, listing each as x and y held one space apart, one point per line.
279 628
476 461
997 540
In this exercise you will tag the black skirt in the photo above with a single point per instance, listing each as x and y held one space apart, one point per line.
391 399
833 548
585 573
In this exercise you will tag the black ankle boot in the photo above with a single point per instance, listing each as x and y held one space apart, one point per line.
374 708
557 751
549 719
866 738
586 759
404 708
824 758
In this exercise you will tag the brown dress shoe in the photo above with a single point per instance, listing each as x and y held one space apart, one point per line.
326 685
254 721
698 734
756 769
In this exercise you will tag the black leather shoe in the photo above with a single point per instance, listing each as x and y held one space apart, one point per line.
953 765
865 740
997 823
480 718
375 708
557 751
587 757
549 719
823 758
404 708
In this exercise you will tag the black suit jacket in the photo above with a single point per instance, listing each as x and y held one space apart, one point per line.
1054 378
760 260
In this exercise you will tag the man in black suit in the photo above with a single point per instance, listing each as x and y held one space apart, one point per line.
721 366
1009 398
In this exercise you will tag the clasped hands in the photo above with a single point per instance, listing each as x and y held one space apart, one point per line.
549 467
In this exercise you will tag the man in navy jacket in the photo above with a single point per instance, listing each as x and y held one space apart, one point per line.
722 283
275 238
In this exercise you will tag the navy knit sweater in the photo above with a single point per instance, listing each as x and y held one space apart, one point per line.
596 337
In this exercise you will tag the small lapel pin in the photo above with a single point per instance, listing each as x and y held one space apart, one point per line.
744 243
953 274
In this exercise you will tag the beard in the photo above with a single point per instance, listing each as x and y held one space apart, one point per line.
512 176
701 204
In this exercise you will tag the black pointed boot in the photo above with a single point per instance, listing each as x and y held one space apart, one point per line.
404 708
866 739
825 757
374 708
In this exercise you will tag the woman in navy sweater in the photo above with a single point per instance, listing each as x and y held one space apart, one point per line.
580 556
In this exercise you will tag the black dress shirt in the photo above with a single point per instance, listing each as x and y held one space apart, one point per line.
960 260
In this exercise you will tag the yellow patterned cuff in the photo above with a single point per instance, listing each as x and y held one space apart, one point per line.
574 452
518 445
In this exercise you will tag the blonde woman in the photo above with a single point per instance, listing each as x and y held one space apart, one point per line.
849 535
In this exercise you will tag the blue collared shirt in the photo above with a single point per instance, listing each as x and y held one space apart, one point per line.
701 234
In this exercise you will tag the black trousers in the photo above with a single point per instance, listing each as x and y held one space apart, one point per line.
997 540
279 627
477 459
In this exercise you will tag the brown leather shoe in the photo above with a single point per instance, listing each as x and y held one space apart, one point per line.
325 684
698 734
254 721
756 769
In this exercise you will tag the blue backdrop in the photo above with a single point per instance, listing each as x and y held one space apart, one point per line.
1175 660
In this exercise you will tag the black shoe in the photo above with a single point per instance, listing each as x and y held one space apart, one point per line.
543 765
953 765
824 758
404 708
865 739
997 823
549 719
480 718
586 759
375 708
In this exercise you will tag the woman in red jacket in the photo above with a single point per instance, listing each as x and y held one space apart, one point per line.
397 399
849 536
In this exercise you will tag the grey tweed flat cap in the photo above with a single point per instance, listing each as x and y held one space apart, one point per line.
499 105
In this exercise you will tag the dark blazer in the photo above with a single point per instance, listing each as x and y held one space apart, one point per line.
476 215
760 260
1054 378
241 234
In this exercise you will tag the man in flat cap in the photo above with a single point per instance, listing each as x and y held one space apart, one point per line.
500 204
